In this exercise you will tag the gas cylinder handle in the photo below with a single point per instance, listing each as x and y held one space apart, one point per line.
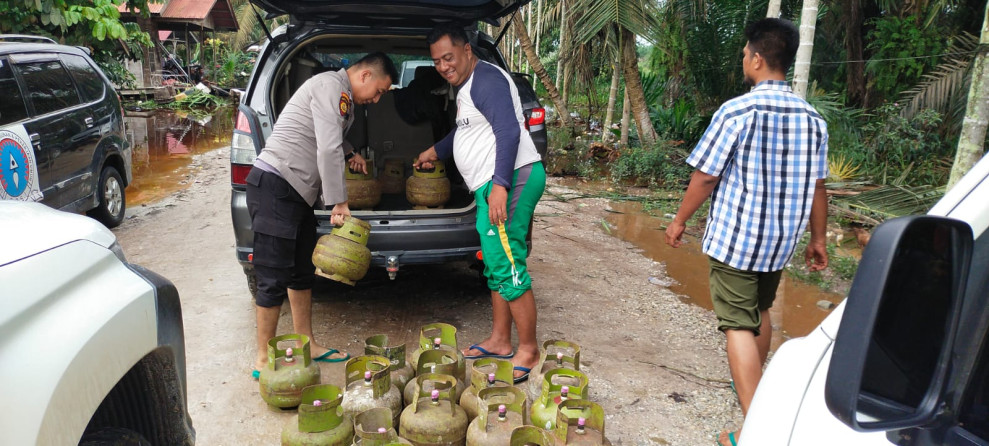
432 361
323 416
479 377
444 387
446 332
572 359
570 411
576 391
274 352
378 366
532 435
378 345
513 398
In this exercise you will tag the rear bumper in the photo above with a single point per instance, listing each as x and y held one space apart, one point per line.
412 238
539 138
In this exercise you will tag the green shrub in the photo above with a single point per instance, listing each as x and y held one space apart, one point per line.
660 165
904 151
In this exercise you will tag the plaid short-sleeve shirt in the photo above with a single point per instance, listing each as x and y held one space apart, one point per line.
769 147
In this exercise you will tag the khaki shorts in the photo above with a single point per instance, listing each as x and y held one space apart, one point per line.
740 296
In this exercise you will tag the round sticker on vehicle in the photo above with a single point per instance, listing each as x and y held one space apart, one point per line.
18 169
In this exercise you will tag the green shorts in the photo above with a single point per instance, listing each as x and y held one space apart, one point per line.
739 296
503 247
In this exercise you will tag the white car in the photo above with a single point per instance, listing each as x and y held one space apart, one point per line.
92 349
904 359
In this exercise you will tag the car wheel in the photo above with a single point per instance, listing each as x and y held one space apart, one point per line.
114 436
112 204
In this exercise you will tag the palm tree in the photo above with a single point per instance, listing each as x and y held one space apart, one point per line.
633 18
537 66
973 136
801 67
609 116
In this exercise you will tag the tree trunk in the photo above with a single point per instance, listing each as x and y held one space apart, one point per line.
970 142
563 45
609 116
855 67
539 25
528 30
566 83
774 9
633 88
561 108
626 123
801 68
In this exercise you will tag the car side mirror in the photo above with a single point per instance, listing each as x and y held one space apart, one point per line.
892 351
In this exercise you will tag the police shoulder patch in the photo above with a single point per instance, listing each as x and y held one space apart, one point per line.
344 104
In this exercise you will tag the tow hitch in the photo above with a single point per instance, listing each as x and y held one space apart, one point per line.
391 265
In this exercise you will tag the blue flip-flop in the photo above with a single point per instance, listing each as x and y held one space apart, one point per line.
256 374
487 354
325 357
524 377
731 438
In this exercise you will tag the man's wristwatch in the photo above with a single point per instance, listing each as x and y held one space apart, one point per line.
348 156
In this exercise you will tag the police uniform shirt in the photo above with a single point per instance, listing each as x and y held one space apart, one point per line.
307 144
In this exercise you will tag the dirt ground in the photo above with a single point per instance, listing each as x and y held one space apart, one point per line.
655 364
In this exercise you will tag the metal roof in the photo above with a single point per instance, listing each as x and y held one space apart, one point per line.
216 15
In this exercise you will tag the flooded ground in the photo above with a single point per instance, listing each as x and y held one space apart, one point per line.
164 142
795 312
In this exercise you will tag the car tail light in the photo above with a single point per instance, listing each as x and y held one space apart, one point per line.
242 123
537 117
242 150
238 173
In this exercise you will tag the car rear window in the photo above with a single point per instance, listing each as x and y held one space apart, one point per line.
48 85
89 81
12 106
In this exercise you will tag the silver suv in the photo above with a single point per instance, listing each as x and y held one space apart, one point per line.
327 35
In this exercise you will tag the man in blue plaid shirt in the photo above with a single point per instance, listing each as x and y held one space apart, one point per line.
762 161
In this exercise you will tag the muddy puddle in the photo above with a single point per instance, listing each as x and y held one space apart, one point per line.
795 312
164 143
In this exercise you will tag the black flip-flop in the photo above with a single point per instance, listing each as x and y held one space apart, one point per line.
487 354
524 377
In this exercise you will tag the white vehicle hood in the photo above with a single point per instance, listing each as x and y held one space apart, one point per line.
29 228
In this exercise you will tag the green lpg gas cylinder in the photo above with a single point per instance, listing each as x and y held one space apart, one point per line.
581 423
434 362
288 372
374 427
484 373
554 354
369 386
321 421
440 336
428 188
401 371
363 191
393 176
532 436
502 410
434 418
559 385
342 255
